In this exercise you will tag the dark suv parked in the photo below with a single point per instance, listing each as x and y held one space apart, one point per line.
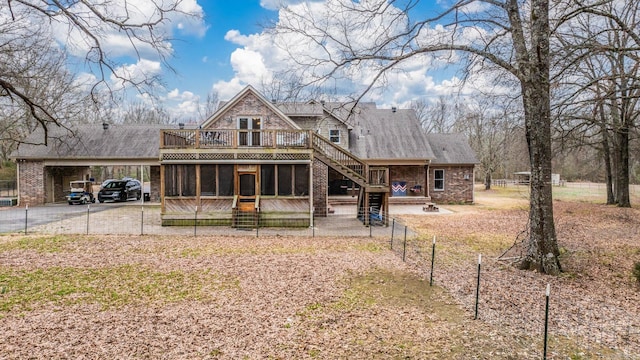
120 190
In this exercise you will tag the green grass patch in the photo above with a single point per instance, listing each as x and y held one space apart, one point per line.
110 287
41 244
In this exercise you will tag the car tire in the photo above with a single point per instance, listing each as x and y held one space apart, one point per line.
84 201
100 201
70 203
138 197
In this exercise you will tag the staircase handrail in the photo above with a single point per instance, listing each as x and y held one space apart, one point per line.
341 156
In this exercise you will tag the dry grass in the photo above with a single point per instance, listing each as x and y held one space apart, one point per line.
278 297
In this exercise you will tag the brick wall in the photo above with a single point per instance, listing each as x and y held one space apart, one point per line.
250 105
320 181
457 189
31 175
154 178
413 175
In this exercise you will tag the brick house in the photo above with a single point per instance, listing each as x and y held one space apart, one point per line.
276 164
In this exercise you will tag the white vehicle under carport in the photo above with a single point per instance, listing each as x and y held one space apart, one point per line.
81 192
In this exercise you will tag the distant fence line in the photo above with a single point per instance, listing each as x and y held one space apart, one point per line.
8 188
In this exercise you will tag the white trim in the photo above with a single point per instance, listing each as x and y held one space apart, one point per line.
338 136
230 104
436 179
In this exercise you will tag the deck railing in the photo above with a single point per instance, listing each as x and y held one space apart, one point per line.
233 138
340 156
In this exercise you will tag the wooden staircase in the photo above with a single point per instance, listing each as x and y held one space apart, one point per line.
246 214
373 181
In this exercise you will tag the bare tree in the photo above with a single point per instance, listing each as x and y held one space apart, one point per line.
435 117
34 67
142 113
508 34
88 26
210 106
601 71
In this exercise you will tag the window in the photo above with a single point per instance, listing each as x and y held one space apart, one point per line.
334 136
267 179
438 179
225 180
180 180
208 180
288 180
284 180
301 180
246 137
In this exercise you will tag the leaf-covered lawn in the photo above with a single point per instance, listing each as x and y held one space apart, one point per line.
327 298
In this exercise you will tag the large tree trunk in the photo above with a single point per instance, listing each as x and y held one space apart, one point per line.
611 199
542 248
622 170
487 180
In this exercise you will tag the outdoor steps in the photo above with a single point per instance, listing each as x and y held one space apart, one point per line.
393 200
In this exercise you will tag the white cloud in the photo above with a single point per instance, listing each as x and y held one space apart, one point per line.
187 19
143 69
228 89
261 55
276 4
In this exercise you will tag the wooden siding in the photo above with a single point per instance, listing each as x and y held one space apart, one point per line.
284 205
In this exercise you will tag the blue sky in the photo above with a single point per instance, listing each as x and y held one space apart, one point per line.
233 53
226 49
201 62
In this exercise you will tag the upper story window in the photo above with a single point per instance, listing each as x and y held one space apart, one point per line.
246 137
334 136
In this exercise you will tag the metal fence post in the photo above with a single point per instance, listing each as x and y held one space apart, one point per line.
546 321
142 221
478 286
313 222
393 228
195 223
26 217
433 255
88 208
404 247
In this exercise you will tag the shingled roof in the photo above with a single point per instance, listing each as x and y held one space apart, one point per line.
94 142
389 134
451 149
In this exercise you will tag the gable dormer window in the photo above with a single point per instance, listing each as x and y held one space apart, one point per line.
334 136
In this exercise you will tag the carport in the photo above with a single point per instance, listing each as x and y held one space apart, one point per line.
44 171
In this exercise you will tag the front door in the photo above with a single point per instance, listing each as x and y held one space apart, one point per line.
247 190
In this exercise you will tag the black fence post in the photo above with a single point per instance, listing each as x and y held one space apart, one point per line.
142 221
546 321
88 209
26 218
433 255
257 221
393 227
195 223
313 222
478 286
404 247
